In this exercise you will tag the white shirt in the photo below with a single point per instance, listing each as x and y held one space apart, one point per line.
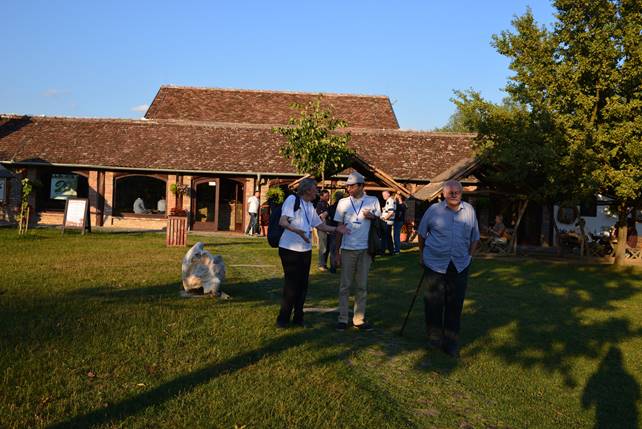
139 206
389 207
350 212
253 203
162 205
305 219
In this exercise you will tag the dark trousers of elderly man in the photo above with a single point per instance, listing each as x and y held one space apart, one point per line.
444 295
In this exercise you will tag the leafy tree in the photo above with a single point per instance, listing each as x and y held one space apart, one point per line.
580 85
312 144
521 159
457 123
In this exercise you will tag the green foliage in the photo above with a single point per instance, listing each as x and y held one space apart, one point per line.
584 76
275 195
179 189
457 123
312 144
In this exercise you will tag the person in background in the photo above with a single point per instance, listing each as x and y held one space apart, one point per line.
388 216
139 206
355 211
253 210
161 206
400 219
332 239
322 211
448 239
295 250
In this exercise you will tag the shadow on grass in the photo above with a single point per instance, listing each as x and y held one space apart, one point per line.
619 407
186 383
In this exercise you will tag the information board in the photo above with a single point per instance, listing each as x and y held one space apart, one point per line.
76 214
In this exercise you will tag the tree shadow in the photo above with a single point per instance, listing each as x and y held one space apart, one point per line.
613 392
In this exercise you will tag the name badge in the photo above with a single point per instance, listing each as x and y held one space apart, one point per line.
357 222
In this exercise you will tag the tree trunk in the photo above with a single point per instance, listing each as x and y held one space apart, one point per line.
620 249
513 241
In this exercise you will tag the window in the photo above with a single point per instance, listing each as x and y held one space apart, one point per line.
57 187
130 188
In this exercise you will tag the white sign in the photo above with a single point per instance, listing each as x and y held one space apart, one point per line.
211 183
64 186
3 186
75 213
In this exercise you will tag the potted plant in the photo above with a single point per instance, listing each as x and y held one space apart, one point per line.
178 189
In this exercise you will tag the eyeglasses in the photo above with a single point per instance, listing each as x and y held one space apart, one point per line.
452 193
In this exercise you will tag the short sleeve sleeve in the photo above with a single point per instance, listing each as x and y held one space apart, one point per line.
288 206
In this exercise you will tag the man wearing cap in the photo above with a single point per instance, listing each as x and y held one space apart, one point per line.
355 212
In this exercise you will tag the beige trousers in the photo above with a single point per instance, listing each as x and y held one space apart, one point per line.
354 271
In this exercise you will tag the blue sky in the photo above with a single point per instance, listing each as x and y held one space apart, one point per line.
108 59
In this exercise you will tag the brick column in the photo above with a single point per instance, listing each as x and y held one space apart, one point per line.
109 196
32 174
94 213
170 197
187 180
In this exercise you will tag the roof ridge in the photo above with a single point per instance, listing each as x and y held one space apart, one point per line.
271 91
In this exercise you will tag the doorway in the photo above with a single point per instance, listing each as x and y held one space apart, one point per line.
231 216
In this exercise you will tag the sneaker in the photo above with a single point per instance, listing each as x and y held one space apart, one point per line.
323 269
365 326
342 326
281 325
333 270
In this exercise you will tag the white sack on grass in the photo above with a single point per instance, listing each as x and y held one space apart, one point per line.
203 270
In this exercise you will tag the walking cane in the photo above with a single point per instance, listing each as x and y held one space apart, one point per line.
413 302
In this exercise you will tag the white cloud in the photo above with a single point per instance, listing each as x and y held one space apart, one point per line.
141 108
55 93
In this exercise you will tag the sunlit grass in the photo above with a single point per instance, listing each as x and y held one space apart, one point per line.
94 333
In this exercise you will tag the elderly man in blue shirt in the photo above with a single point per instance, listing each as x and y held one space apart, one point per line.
448 238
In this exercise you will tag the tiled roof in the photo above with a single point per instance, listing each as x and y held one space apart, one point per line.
265 107
210 147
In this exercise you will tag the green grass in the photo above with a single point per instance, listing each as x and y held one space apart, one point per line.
93 333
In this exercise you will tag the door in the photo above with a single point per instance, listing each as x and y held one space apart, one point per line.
205 216
231 208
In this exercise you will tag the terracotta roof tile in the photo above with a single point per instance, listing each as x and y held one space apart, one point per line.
209 147
265 107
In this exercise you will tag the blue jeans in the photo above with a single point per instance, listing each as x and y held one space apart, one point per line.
397 232
253 226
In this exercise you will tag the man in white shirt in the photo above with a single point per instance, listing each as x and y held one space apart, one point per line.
388 216
161 206
139 206
355 212
253 204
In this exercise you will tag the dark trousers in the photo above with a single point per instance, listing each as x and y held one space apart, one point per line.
386 241
296 270
443 302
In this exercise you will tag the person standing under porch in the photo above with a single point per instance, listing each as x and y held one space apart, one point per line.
253 204
322 211
400 219
448 238
356 211
388 216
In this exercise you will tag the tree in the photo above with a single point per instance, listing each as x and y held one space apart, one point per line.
580 84
312 144
457 123
519 158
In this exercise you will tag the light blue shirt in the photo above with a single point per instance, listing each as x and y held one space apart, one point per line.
447 235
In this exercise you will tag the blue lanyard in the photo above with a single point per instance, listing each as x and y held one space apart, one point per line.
305 212
355 209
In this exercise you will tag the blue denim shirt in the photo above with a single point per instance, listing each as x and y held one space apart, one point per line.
448 235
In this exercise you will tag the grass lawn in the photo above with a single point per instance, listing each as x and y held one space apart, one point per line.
93 333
